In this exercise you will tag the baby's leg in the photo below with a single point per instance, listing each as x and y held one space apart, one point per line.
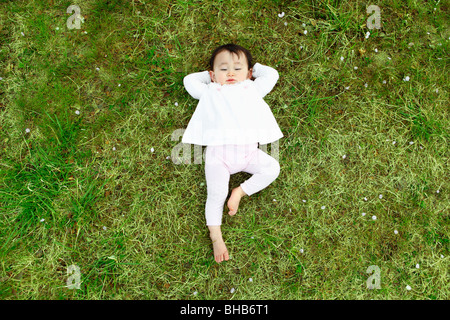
265 170
217 180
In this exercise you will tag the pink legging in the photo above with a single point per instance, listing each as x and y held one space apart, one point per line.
223 161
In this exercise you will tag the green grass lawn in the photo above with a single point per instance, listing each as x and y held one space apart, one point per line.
90 117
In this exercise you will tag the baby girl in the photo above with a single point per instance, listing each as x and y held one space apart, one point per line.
231 118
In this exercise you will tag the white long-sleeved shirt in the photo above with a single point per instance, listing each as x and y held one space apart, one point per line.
232 114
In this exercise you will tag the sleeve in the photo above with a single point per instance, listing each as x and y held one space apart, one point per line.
265 78
197 83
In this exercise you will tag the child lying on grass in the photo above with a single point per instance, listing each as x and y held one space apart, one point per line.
231 118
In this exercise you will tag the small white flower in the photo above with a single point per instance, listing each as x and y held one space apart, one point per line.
98 69
408 287
114 148
437 90
304 201
303 25
274 200
346 88
376 50
152 150
119 85
250 279
195 293
322 207
417 266
406 78
85 32
77 112
301 250
437 191
428 33
380 196
365 199
384 81
344 156
365 85
367 34
363 214
342 58
356 68
281 15
104 228
301 47
395 231
1 78
23 35
27 130
394 142
411 142
374 217
168 157
57 28
176 104
305 32
42 220
232 290
442 256
285 23
389 58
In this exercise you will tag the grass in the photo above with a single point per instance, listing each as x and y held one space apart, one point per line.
92 182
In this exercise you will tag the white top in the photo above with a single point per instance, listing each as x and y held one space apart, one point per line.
232 113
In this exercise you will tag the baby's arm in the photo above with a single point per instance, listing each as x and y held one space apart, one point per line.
265 78
197 83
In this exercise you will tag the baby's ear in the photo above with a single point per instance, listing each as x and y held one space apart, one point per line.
250 73
211 74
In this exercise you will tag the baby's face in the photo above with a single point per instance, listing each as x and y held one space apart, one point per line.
229 68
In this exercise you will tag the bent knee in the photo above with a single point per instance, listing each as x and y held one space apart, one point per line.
275 169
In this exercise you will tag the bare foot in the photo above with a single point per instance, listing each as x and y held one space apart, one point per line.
220 250
235 198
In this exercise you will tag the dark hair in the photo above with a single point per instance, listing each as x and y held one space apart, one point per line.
233 48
